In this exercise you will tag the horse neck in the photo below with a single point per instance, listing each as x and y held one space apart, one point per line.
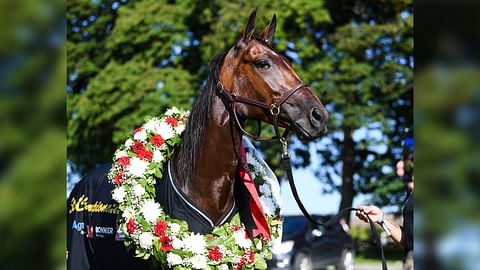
216 161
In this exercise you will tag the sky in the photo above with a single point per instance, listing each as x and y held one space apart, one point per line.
310 192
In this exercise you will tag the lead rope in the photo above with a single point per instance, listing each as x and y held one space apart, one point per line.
288 168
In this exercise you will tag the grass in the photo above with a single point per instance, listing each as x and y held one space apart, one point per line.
375 261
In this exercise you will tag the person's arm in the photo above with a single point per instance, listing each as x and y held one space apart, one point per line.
376 216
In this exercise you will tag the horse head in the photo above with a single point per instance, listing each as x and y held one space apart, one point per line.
262 83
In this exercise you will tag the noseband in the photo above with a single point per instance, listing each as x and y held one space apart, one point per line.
274 109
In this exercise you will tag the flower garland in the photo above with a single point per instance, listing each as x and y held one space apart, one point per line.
139 163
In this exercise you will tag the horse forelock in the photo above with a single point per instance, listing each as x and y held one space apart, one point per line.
192 138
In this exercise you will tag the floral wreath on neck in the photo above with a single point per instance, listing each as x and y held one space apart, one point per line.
139 163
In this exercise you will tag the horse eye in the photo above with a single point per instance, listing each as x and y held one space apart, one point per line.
263 64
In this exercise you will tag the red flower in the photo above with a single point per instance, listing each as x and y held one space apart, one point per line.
119 178
172 121
214 254
235 228
157 140
160 228
166 243
240 264
123 161
137 130
183 117
145 154
138 147
131 227
249 256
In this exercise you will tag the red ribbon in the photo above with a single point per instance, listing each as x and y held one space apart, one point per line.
255 205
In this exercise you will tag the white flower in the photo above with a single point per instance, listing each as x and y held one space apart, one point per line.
222 249
274 187
267 205
250 158
265 190
198 262
140 135
165 130
241 240
128 213
173 259
171 111
152 124
195 243
138 190
223 267
120 154
150 210
137 167
119 194
177 243
259 245
236 259
174 227
128 143
157 156
260 169
146 240
180 128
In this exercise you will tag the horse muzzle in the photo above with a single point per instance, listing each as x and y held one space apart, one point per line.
313 125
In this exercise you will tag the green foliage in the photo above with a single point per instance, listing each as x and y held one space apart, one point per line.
134 58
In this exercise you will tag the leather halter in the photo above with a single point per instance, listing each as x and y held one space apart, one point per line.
274 109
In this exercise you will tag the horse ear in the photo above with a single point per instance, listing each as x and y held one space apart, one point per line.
249 27
269 31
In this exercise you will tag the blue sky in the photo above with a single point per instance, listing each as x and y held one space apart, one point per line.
310 191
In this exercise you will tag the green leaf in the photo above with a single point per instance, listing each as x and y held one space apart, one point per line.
260 262
158 172
269 255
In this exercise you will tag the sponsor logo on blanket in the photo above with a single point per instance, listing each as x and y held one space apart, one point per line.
101 231
81 204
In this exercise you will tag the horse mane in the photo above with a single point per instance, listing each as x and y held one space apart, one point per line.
193 136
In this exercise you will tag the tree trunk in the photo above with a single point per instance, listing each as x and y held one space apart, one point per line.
348 159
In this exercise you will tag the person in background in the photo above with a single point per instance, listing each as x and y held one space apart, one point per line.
403 235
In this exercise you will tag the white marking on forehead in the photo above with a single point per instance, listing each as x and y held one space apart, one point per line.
274 53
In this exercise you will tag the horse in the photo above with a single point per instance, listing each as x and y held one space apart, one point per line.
251 81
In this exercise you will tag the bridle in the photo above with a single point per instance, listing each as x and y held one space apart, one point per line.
274 109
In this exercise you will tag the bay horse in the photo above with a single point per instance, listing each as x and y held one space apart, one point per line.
250 81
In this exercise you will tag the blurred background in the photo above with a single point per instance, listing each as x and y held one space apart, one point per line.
121 60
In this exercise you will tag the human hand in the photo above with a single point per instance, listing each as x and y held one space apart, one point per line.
374 212
400 168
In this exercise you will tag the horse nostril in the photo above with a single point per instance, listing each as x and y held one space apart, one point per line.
317 114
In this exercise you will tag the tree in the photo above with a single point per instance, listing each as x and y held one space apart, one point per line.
367 77
123 64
